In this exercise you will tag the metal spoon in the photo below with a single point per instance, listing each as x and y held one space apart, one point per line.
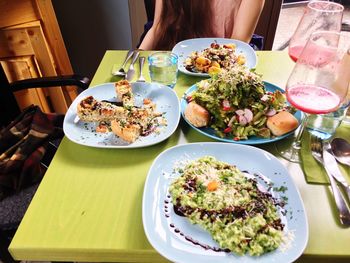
341 150
121 71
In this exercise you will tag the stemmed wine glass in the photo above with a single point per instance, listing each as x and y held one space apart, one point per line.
318 16
319 81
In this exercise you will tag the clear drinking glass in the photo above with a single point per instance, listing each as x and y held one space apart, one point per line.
319 81
318 16
163 68
325 125
346 119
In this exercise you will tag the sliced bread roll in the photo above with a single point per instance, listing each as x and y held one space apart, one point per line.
197 115
281 123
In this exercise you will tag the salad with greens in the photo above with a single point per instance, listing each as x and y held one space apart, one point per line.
231 206
238 103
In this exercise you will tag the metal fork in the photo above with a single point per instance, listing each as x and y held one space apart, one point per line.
141 77
317 153
121 71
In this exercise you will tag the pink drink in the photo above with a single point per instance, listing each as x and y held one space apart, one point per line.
312 55
313 99
294 52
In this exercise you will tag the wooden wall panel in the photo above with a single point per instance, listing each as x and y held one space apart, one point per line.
47 65
14 12
29 28
29 40
55 41
23 68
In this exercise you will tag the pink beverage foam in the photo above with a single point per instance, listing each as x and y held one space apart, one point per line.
313 99
316 56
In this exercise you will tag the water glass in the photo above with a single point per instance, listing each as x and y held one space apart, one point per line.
346 119
163 68
325 125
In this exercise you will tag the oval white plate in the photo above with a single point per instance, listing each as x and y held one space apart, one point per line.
158 213
84 133
184 48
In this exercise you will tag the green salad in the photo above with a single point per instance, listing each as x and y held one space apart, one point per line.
229 205
238 103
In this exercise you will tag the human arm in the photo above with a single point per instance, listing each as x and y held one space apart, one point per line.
148 42
246 19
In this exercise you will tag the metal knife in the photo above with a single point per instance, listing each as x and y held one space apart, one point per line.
331 166
131 72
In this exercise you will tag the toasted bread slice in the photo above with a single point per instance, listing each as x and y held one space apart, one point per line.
124 93
91 110
128 132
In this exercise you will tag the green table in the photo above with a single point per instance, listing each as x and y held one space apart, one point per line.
88 206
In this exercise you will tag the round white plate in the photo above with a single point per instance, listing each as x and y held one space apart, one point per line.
184 48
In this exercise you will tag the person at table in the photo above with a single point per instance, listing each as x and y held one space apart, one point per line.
177 20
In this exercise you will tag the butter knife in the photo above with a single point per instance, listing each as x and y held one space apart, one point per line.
131 72
331 166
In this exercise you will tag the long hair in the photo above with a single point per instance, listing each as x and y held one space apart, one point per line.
183 19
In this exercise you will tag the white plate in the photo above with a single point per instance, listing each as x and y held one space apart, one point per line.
158 214
84 133
184 48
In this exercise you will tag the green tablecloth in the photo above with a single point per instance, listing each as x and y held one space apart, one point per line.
88 206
